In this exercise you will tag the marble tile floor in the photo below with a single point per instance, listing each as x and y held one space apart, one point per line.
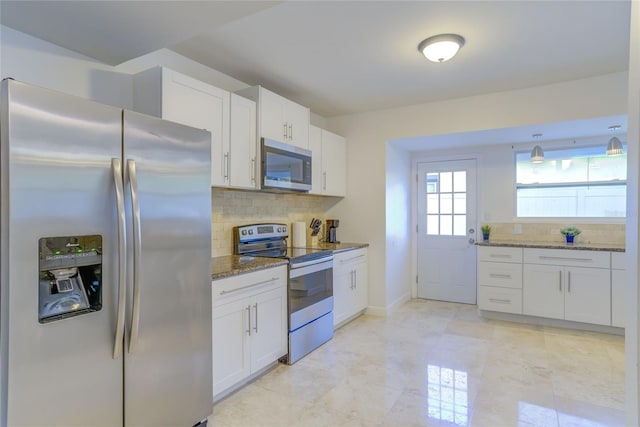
439 364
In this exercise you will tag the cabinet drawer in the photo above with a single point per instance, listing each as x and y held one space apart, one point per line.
225 290
500 299
571 258
500 254
618 260
500 274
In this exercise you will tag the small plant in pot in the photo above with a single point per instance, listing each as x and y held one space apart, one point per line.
570 232
486 230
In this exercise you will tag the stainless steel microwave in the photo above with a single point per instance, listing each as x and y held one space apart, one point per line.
285 167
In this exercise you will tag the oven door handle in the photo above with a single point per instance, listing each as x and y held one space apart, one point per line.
309 268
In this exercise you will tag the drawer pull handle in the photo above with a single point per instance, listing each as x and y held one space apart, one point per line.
273 279
558 258
501 301
500 276
500 256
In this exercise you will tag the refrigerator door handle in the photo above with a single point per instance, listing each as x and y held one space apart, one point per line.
137 249
116 169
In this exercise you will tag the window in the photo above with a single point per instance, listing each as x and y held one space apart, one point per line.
447 203
575 182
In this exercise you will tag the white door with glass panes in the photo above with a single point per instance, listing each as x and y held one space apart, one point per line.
446 231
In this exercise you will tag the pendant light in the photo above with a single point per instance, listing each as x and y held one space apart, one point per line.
537 155
614 147
442 47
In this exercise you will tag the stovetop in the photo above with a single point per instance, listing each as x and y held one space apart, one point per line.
294 255
270 240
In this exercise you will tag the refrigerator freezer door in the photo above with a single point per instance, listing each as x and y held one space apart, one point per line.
56 180
168 379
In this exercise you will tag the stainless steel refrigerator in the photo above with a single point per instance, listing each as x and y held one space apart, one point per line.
105 300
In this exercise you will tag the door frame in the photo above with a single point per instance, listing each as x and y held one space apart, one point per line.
437 156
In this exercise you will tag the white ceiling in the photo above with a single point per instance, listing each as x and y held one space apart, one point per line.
340 57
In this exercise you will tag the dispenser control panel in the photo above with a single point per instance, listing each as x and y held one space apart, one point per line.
70 276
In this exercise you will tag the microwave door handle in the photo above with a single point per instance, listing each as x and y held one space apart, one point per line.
116 169
137 251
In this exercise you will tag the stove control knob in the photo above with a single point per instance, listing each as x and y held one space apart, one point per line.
250 231
244 232
284 229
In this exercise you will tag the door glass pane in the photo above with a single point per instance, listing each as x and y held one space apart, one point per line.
460 203
460 181
446 206
459 225
432 204
432 183
446 225
446 184
432 225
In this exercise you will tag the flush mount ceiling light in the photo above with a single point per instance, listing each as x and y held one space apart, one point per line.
537 155
614 147
442 47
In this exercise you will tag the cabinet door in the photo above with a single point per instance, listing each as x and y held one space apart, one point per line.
543 291
297 118
334 164
315 145
618 278
342 292
231 349
361 290
268 328
243 145
272 116
588 295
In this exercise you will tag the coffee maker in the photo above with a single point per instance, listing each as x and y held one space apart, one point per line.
332 224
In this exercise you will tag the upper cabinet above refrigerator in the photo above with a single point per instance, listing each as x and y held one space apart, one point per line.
279 119
231 119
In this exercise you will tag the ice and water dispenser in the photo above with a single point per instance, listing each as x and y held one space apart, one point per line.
70 276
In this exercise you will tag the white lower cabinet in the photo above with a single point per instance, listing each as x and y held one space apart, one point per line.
350 283
618 279
249 325
556 286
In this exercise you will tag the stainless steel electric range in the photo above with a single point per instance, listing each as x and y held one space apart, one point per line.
309 289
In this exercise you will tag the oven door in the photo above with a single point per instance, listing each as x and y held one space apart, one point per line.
310 292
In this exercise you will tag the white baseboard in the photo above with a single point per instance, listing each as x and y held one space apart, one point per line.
556 323
399 302
384 311
376 311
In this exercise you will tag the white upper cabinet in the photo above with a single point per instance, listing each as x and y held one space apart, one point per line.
173 96
279 118
231 119
329 167
243 147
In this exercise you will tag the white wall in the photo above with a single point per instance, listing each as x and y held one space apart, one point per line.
632 345
41 63
362 213
398 226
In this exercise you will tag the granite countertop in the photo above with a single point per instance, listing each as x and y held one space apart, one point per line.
340 247
232 265
610 247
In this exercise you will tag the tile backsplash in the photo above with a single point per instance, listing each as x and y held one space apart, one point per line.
231 208
550 232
